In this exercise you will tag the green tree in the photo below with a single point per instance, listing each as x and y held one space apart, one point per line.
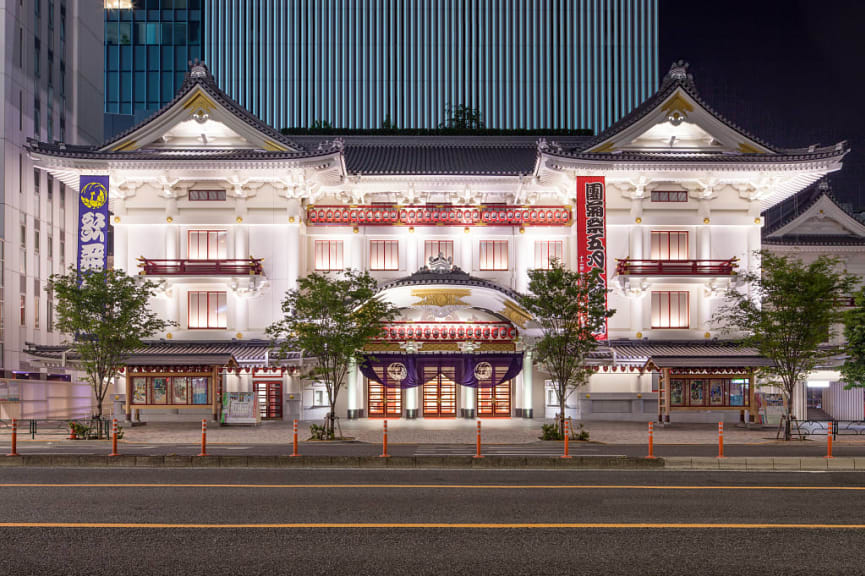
853 370
788 315
331 318
462 117
388 124
570 308
106 314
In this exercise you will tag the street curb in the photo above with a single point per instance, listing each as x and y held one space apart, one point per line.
233 461
767 463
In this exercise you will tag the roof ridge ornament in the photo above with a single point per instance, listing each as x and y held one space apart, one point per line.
198 69
679 73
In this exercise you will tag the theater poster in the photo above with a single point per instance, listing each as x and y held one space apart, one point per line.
592 229
93 223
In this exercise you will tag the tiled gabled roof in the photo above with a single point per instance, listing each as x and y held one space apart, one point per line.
93 153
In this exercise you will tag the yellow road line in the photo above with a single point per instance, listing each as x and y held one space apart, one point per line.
427 525
432 486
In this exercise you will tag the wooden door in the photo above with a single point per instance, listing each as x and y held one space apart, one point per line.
495 402
269 399
383 402
439 393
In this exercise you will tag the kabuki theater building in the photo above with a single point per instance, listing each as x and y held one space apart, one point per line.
226 213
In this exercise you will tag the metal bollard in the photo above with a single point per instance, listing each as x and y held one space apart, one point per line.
651 455
478 453
14 451
720 439
566 454
203 438
114 438
294 451
384 453
829 442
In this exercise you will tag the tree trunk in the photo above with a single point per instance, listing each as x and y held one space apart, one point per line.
788 421
562 414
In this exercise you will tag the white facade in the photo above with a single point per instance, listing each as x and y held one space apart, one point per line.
52 91
203 184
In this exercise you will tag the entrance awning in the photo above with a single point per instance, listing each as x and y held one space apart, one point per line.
484 370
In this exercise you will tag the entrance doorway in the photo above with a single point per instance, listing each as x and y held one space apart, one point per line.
269 394
439 392
383 402
495 402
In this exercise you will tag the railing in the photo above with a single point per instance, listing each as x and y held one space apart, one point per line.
248 267
802 428
677 267
457 331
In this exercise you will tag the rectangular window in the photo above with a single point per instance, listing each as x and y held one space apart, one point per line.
493 255
669 195
20 110
670 310
207 310
206 195
547 252
36 312
199 390
207 245
383 255
37 56
49 312
319 398
22 311
669 245
328 255
432 248
36 181
20 173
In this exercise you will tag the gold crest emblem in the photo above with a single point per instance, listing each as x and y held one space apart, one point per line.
94 195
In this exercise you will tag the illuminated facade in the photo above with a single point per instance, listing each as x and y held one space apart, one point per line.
227 213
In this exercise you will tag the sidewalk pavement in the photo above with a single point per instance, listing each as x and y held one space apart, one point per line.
457 431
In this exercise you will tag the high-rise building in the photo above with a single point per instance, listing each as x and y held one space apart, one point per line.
148 46
51 81
523 64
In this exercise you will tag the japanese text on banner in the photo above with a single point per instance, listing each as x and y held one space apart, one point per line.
592 230
93 223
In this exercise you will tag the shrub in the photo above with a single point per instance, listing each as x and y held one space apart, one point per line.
550 432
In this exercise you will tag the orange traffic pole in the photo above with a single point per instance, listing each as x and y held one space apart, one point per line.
720 439
478 453
203 438
114 438
566 455
294 451
72 435
651 441
829 442
384 453
14 451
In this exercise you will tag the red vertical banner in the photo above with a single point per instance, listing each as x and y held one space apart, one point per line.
592 229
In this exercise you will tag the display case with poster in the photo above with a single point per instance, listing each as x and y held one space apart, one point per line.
179 390
716 392
139 390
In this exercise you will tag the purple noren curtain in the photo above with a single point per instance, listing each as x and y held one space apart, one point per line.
395 370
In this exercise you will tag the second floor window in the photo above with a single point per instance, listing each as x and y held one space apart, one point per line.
207 310
207 245
383 255
432 248
547 252
669 195
328 255
670 245
670 310
493 255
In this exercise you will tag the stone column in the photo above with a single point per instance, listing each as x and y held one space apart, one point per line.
410 399
468 407
241 242
172 249
121 248
411 253
528 410
704 243
523 256
354 411
294 255
467 248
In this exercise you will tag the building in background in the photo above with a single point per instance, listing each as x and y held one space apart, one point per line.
523 64
148 46
52 87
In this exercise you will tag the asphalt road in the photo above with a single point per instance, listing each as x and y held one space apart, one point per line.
793 448
197 521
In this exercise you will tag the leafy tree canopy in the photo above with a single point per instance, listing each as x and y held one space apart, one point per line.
570 308
853 370
106 314
787 314
331 318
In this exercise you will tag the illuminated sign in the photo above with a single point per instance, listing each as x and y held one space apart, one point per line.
592 230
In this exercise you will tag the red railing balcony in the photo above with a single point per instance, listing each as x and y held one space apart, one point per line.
248 267
628 267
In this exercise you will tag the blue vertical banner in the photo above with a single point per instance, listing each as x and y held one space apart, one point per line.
93 223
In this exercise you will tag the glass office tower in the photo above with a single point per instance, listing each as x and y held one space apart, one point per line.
523 64
148 46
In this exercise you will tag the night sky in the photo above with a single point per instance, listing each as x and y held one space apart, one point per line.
791 72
